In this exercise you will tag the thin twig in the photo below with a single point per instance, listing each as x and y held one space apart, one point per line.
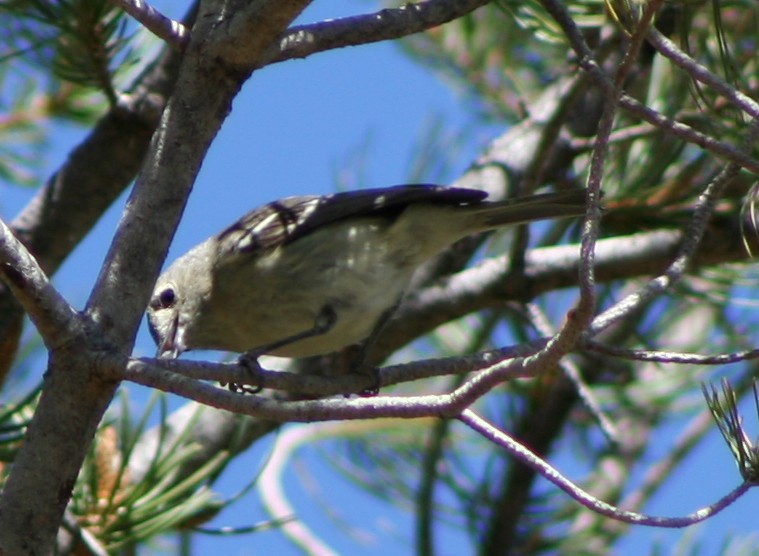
678 129
671 51
691 240
672 356
312 385
549 472
572 372
405 407
174 33
580 144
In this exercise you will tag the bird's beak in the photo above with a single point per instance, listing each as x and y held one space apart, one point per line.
172 345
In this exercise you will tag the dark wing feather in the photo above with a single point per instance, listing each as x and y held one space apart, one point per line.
286 220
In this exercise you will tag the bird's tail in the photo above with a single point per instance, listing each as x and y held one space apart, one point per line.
563 204
434 227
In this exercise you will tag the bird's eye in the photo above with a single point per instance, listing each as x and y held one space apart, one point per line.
165 299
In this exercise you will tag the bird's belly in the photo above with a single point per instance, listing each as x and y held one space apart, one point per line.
358 301
355 321
359 279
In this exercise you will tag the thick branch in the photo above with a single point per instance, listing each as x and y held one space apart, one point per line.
227 43
76 391
87 183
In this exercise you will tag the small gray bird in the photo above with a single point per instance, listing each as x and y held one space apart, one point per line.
310 275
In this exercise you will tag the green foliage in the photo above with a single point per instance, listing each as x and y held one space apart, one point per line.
724 407
58 60
83 42
14 418
123 511
499 54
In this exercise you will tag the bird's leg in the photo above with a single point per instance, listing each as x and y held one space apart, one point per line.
358 365
323 323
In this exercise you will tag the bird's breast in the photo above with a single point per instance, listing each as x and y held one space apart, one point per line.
350 268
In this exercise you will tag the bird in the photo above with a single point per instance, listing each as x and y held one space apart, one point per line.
310 275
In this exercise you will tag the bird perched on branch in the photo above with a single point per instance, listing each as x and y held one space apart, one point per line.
310 275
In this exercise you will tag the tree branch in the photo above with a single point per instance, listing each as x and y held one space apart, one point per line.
692 236
698 72
301 41
173 32
55 319
678 129
77 195
78 387
145 370
435 405
523 454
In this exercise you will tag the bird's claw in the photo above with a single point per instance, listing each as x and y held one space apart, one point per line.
248 360
373 373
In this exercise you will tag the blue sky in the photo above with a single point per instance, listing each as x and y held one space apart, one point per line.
297 128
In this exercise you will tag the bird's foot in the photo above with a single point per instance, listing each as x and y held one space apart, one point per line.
249 361
373 373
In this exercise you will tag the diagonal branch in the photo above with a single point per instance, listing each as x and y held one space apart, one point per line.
552 474
173 32
78 193
52 315
678 129
691 240
216 63
77 391
301 41
670 50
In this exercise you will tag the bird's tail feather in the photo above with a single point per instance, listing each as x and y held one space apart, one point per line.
495 214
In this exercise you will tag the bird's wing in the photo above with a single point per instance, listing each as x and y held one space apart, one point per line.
286 220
